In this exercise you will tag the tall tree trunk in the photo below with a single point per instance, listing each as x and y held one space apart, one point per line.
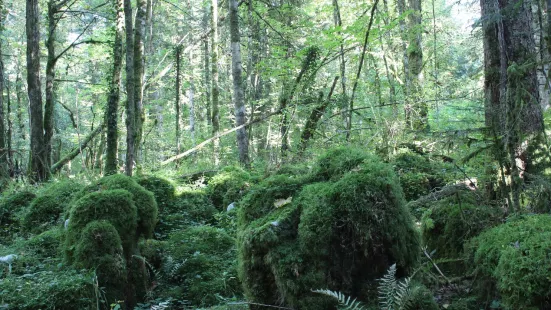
511 89
112 138
4 151
139 70
207 69
418 116
38 168
238 95
215 87
130 85
178 96
49 107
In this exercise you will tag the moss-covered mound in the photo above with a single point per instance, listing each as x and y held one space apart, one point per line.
419 175
203 264
60 289
513 260
341 235
336 162
11 207
162 189
446 226
144 200
64 190
115 206
228 186
47 244
44 212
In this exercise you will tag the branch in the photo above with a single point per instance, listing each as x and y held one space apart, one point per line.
446 191
202 144
74 153
75 41
71 114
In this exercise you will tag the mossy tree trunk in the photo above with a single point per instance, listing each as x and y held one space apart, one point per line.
114 92
215 87
139 71
4 149
130 85
417 111
178 96
511 90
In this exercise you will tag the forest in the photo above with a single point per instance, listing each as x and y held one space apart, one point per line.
275 154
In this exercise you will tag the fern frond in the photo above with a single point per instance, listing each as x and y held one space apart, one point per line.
345 301
393 294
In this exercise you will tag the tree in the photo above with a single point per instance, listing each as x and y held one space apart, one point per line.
38 166
512 108
215 87
238 96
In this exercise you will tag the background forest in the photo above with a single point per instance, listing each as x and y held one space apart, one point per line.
282 154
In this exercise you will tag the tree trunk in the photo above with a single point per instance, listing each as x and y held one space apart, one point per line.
130 106
215 87
417 117
112 138
238 95
4 172
178 96
139 70
511 90
206 70
50 79
38 168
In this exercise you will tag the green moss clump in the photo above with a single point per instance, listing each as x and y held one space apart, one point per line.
208 266
153 251
197 204
47 244
420 298
64 190
143 200
228 186
44 212
342 235
162 189
515 259
336 162
115 206
448 225
12 207
60 289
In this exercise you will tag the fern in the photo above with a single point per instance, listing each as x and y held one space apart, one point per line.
346 302
393 294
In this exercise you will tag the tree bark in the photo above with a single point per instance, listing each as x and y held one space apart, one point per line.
178 96
112 139
38 168
215 87
417 116
238 95
4 151
139 71
130 86
50 79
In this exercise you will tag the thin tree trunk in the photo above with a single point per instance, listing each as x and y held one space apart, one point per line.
215 87
418 116
139 70
50 80
207 70
130 86
238 95
178 96
38 162
112 138
4 151
77 150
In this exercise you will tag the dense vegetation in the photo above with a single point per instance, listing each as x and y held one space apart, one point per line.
282 154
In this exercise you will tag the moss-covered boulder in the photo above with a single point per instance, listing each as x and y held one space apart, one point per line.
447 225
203 262
513 261
341 234
338 161
153 251
162 189
144 200
228 186
12 207
47 244
44 212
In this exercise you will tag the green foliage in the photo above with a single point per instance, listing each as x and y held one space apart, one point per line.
143 200
346 302
11 207
515 259
447 225
44 212
228 186
420 298
64 190
393 294
338 161
294 236
153 251
196 204
162 189
47 244
59 289
202 260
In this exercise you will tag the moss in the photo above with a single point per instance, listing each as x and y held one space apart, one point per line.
421 298
336 162
143 200
162 189
419 175
197 204
47 244
447 226
60 289
515 259
115 206
228 186
153 251
208 267
44 212
64 190
13 204
342 235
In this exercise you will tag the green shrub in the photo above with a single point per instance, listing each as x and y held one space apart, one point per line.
60 289
448 225
162 189
143 200
44 212
515 259
341 235
10 207
228 186
204 264
153 252
338 161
